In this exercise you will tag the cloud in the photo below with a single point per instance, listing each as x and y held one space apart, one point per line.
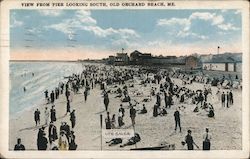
66 26
52 12
184 34
173 21
15 22
98 31
206 16
85 17
201 15
185 24
83 21
227 27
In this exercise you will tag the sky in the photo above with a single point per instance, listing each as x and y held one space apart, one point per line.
96 34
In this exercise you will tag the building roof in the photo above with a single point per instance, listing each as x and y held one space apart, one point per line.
178 60
222 58
121 54
136 52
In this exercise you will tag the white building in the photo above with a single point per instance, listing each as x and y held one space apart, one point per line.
222 63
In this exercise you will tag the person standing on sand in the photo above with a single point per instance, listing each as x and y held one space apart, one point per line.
73 118
46 115
56 93
177 119
155 110
166 99
52 97
46 95
206 140
53 114
85 95
158 99
41 139
223 98
231 97
113 122
52 133
227 99
108 121
68 107
37 117
132 113
72 144
19 146
218 93
122 110
67 130
67 93
169 100
106 100
189 141
120 119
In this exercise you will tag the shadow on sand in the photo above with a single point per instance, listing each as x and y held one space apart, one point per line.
101 112
40 126
33 127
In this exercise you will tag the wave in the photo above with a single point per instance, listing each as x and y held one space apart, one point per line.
47 75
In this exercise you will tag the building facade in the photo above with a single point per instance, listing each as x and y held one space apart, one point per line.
227 63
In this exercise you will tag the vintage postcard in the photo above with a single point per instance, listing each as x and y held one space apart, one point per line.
124 79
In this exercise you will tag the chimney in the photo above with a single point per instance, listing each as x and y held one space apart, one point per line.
218 50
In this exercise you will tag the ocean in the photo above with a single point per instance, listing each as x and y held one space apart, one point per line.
47 75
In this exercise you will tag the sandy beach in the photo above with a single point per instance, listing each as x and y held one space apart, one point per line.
226 127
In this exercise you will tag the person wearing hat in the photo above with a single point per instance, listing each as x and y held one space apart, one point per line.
41 139
189 141
19 146
206 140
53 113
52 132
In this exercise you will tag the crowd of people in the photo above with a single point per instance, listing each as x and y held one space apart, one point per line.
164 90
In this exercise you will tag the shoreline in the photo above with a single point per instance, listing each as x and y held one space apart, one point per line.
153 130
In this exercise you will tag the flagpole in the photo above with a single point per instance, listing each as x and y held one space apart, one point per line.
101 129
